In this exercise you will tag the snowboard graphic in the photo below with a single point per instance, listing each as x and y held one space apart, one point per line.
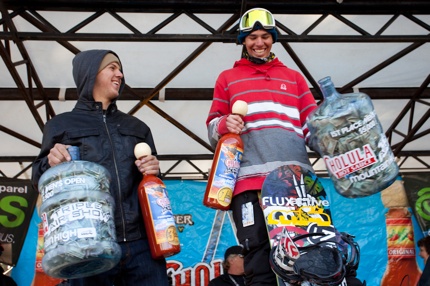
305 244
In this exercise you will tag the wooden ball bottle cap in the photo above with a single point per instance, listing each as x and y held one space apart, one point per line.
141 150
240 107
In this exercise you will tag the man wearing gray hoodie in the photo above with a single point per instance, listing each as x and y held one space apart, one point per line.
107 136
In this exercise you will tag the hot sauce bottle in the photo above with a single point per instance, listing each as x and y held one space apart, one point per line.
402 268
157 212
40 277
225 166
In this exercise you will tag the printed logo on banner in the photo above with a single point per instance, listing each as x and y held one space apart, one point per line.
17 201
199 274
183 220
417 186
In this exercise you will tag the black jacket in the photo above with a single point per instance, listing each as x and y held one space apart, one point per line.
225 280
425 276
6 280
107 138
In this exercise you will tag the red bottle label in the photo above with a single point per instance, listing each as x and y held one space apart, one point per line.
39 250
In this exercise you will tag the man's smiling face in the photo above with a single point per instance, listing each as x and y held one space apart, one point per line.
259 44
108 83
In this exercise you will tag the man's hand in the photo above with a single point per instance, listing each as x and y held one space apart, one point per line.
58 154
148 165
234 123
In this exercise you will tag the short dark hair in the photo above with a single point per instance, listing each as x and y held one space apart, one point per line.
425 241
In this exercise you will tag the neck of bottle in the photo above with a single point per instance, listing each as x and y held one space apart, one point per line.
147 175
74 153
327 87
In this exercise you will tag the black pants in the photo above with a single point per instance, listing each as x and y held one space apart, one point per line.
255 241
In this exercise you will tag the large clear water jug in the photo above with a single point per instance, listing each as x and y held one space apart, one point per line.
347 134
78 222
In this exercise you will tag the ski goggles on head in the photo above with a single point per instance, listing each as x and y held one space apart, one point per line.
260 15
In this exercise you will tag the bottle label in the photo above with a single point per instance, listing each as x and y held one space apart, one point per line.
355 160
39 250
354 149
162 216
359 126
227 169
351 161
400 238
75 221
68 183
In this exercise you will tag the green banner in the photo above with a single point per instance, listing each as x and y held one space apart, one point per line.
417 186
17 201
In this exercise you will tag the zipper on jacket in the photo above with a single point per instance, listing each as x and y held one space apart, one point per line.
117 176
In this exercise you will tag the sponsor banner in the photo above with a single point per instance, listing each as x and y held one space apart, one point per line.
205 234
417 187
365 219
17 201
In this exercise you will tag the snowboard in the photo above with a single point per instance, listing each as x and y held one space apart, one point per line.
304 242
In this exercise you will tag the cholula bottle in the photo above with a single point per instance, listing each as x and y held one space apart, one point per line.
225 166
40 277
402 268
157 212
347 134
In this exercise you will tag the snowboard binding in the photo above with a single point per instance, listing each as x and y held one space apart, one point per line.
324 263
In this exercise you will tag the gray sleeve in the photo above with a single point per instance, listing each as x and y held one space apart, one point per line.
213 134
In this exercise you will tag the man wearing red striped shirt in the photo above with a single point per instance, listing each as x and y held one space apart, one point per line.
274 131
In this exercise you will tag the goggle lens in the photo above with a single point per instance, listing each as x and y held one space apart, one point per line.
264 17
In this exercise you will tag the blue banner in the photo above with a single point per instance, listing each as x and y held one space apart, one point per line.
365 219
206 233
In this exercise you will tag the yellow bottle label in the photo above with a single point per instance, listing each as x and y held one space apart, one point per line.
400 238
227 169
162 215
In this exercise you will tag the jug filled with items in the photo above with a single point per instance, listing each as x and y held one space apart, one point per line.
347 134
77 216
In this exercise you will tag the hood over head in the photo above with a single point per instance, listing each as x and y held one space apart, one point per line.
86 66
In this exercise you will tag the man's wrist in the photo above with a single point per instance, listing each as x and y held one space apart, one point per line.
222 125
